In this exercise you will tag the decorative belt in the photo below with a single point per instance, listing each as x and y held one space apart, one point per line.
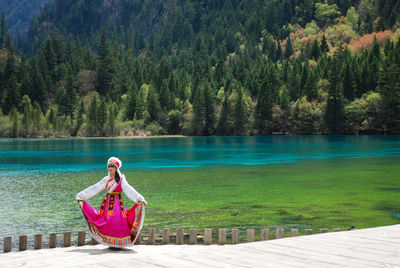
110 210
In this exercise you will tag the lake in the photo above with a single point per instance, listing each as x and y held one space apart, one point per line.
198 182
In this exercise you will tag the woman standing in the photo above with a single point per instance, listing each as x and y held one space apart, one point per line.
112 224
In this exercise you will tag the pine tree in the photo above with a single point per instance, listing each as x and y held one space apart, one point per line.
389 87
3 30
334 108
199 112
50 55
209 103
105 65
348 83
79 120
289 48
153 104
324 45
224 123
92 116
14 116
240 113
101 117
132 102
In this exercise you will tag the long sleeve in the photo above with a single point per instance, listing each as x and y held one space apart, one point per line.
131 193
92 190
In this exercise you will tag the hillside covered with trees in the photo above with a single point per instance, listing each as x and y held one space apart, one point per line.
227 67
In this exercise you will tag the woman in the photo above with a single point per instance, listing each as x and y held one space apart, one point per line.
113 225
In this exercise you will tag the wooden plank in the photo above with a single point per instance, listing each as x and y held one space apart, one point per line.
165 236
151 239
179 236
81 238
323 231
23 240
280 233
222 236
294 232
250 235
192 237
52 240
235 236
265 234
67 239
37 241
7 244
207 236
309 231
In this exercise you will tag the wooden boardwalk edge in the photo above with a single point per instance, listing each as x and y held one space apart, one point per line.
372 247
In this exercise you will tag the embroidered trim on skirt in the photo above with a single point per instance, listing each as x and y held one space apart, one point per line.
117 227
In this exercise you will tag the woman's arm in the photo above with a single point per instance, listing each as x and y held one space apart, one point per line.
131 193
92 190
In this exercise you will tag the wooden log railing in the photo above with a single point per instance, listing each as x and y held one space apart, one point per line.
192 238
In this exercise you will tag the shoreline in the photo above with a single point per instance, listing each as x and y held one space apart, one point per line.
183 136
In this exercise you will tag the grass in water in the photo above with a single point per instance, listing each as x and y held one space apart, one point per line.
332 193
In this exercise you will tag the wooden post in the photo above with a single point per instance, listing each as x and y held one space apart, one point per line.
308 231
165 236
250 235
323 230
207 236
280 233
7 244
235 236
265 234
81 238
94 241
179 236
52 240
151 240
222 236
37 241
337 230
294 232
193 237
138 238
23 240
67 239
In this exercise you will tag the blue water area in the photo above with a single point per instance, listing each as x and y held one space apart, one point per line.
60 155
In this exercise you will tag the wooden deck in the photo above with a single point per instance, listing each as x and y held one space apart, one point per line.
374 247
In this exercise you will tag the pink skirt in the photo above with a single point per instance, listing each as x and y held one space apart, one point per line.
112 224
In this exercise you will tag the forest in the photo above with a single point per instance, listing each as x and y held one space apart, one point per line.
92 68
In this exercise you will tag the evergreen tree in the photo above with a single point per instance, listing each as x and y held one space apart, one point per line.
324 45
105 65
389 87
101 117
3 30
240 113
348 83
334 108
199 112
209 103
79 119
92 116
153 104
131 104
224 123
14 116
289 48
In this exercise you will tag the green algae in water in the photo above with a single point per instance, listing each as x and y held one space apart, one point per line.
319 193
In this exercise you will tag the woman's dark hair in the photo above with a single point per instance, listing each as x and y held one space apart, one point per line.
117 178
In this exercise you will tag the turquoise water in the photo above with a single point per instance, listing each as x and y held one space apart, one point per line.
26 156
182 178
